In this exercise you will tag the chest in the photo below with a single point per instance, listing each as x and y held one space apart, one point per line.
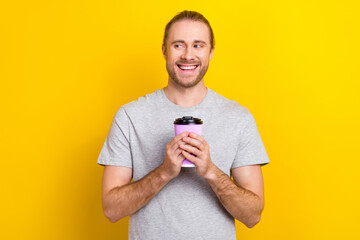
148 140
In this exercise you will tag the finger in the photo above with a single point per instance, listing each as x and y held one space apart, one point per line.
177 145
180 157
177 151
190 157
197 136
180 142
177 138
178 154
194 142
190 149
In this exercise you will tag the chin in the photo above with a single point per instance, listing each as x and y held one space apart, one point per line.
190 85
187 84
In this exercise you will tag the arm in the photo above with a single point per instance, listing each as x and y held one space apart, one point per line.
121 198
244 198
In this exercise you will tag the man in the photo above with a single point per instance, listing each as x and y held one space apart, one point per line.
164 200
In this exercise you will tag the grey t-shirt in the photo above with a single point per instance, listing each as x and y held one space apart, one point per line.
186 208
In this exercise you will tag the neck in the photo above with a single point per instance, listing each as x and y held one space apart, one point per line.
186 97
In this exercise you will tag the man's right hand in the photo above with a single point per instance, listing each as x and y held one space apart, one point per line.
173 157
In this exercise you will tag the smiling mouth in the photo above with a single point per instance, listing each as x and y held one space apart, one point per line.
187 68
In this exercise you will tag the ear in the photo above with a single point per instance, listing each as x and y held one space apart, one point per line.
164 51
212 53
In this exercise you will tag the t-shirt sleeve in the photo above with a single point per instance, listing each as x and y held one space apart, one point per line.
251 149
116 149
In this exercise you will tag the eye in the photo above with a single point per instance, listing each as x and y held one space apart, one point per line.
177 45
197 46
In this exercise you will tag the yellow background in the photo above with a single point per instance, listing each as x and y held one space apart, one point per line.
67 66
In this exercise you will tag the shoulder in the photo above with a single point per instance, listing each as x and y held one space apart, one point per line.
230 107
142 104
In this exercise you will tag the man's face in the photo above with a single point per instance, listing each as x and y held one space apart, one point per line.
187 52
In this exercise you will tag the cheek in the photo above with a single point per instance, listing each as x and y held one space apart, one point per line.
205 58
174 56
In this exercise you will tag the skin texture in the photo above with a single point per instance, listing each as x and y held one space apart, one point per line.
182 49
244 204
188 44
122 198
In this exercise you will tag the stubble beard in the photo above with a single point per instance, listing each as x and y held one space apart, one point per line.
177 81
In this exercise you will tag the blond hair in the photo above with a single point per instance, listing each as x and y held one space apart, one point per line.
189 15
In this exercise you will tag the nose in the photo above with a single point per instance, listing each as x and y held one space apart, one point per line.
188 54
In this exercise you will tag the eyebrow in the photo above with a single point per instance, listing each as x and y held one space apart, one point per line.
182 41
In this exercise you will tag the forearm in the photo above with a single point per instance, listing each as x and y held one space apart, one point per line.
241 203
125 200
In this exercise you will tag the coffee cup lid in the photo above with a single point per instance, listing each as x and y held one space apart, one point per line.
186 120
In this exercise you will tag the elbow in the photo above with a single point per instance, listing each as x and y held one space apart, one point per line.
110 215
253 222
113 220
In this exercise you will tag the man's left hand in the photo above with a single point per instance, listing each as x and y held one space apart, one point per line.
196 144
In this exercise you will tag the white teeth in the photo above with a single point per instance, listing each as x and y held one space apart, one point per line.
187 67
